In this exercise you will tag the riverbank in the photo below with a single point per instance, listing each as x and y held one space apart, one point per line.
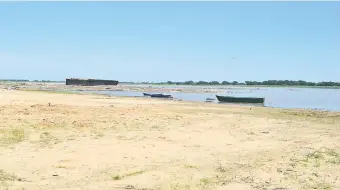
50 86
71 141
244 86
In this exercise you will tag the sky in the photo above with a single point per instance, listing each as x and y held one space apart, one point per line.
177 41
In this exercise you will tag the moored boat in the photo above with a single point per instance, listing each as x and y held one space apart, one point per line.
233 99
147 94
160 96
157 95
209 100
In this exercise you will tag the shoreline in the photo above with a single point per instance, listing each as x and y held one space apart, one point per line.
150 87
131 92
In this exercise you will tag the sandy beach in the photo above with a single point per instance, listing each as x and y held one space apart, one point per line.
70 141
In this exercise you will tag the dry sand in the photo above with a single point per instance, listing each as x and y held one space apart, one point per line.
68 141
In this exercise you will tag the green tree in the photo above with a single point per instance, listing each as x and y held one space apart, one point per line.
214 83
235 83
190 82
225 82
202 83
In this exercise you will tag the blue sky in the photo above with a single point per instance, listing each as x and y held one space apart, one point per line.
178 41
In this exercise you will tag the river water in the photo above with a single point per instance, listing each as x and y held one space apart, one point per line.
306 98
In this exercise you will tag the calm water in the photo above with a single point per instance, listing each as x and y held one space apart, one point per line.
308 98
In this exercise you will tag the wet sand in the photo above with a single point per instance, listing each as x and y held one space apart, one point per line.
70 141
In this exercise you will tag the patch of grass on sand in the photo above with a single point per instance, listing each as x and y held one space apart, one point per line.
322 156
119 177
191 166
334 157
4 176
64 167
323 186
205 181
98 134
335 161
220 168
11 136
116 177
47 139
305 170
180 186
135 173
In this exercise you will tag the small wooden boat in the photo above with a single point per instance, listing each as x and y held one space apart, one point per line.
232 99
147 94
160 96
209 100
157 95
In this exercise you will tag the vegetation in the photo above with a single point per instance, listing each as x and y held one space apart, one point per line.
292 83
250 83
119 177
11 136
4 176
135 173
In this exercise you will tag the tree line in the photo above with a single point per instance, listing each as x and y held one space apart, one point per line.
205 83
250 83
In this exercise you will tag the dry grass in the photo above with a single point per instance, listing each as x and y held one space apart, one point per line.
6 179
134 173
11 136
130 174
191 166
48 140
4 176
321 157
307 169
117 177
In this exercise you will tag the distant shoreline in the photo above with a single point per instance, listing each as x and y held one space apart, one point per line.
182 84
254 86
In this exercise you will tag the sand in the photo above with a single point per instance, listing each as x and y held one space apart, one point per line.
70 141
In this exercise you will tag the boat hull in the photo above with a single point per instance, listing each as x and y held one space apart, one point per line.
240 99
146 94
160 96
157 95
